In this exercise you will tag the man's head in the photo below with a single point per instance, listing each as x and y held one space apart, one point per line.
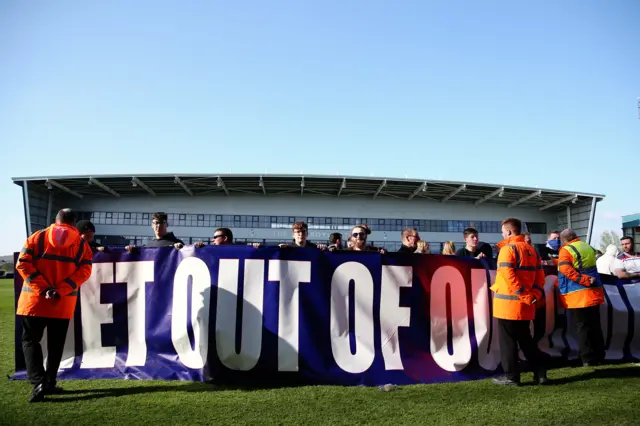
336 239
511 227
527 238
300 232
66 216
159 224
87 230
471 238
627 244
222 236
410 237
567 235
359 235
553 235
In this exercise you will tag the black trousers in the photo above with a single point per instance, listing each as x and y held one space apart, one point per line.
539 324
32 332
514 333
589 331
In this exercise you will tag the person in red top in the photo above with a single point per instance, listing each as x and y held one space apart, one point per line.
54 263
518 290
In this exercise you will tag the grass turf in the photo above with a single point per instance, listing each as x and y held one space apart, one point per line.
602 395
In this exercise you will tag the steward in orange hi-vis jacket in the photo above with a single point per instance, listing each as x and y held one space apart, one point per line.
582 293
518 289
54 263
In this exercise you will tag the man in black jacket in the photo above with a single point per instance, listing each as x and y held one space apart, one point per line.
410 238
87 232
300 232
473 247
159 223
550 251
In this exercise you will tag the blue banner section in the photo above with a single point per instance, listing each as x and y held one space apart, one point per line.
236 314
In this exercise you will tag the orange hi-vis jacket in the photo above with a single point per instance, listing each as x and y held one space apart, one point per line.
53 258
577 264
520 280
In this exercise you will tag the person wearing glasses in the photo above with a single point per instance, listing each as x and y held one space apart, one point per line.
359 237
410 238
300 231
162 238
221 236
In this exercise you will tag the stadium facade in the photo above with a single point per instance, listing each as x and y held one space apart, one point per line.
262 208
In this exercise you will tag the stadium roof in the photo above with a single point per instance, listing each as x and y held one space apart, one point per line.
229 185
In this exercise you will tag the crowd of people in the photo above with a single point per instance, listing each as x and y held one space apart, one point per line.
56 261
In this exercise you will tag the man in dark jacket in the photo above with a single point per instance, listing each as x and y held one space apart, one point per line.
300 233
549 253
87 232
410 238
473 247
159 223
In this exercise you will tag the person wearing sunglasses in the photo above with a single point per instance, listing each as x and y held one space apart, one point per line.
359 238
221 236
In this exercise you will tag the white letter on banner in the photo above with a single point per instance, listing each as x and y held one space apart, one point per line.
94 313
290 274
363 321
451 277
200 298
485 326
251 340
136 275
392 315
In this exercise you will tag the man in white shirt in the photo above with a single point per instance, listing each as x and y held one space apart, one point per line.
627 265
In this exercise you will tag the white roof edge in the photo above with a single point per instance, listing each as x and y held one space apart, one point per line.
265 175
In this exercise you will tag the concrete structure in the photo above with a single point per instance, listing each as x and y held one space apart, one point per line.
262 208
631 228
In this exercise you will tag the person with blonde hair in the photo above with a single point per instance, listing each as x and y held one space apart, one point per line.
449 248
422 247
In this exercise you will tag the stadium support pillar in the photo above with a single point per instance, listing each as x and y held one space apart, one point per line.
27 211
592 214
49 206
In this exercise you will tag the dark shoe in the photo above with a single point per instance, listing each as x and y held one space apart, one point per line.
38 393
53 390
590 364
540 378
504 381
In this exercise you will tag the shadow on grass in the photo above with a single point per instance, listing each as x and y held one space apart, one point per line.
609 373
89 394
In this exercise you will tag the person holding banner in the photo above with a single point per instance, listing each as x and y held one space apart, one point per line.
54 263
518 289
582 293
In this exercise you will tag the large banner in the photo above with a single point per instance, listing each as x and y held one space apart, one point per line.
236 314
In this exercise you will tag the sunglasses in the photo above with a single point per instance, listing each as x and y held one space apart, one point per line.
218 236
358 234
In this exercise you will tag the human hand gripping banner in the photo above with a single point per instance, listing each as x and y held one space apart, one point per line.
236 314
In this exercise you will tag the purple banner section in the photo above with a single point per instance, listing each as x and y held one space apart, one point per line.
235 314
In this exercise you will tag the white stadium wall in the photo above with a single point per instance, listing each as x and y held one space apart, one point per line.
307 206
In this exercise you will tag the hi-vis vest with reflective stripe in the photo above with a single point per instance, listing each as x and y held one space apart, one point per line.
572 293
53 258
519 280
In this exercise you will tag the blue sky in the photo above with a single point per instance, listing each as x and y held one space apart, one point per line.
524 93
